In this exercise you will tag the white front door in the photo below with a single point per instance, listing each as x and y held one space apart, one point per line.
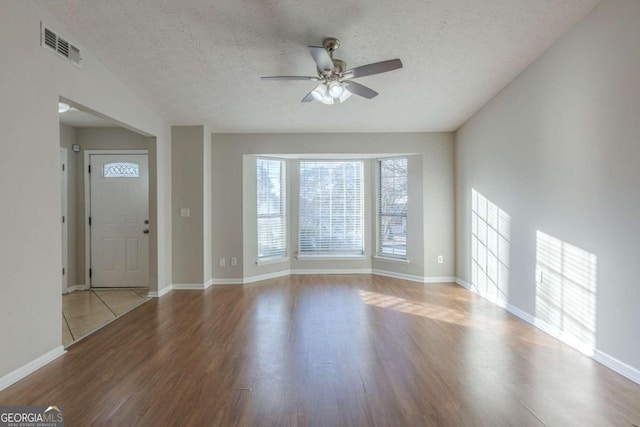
119 220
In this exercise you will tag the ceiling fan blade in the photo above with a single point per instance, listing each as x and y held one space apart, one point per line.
361 90
322 58
309 97
375 68
315 79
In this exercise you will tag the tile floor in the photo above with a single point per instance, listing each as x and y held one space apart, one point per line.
85 311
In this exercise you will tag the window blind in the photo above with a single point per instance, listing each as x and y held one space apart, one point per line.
331 208
392 207
272 221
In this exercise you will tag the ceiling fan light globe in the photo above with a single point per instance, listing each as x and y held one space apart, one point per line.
63 108
327 100
336 89
345 95
318 92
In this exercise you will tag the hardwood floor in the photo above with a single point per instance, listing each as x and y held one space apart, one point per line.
327 351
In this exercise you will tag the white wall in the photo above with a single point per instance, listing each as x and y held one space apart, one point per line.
191 189
189 170
233 181
559 151
207 159
31 80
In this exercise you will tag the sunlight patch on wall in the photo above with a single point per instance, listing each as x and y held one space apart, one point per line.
490 246
566 291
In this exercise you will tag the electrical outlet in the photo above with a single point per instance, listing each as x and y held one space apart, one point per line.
221 262
234 261
440 259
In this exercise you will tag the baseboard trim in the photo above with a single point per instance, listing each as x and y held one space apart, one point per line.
439 279
218 282
334 271
160 293
523 315
414 278
274 275
599 356
34 365
499 302
267 276
462 283
77 288
395 275
188 286
617 365
208 283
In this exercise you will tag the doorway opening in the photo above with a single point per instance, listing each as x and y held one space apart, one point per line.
109 238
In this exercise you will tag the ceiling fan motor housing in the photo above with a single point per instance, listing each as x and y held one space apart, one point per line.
331 44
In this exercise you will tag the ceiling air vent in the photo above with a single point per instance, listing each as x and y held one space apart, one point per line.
62 47
50 39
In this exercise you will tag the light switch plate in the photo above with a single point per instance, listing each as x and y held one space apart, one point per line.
185 212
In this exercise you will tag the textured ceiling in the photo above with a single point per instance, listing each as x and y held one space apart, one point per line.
200 61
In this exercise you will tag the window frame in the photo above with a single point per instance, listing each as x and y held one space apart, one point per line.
378 214
332 256
270 259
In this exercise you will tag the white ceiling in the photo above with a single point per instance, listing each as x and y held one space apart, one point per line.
200 61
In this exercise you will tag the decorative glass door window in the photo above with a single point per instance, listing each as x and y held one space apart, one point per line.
120 170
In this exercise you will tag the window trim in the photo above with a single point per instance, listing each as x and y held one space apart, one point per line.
271 260
378 255
390 259
332 257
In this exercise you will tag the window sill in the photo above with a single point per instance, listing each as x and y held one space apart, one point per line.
389 259
331 257
267 261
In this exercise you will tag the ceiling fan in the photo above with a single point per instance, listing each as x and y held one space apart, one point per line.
336 84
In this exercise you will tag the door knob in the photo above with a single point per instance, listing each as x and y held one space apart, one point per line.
146 231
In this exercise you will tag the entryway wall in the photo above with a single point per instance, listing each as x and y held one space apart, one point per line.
105 138
67 139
